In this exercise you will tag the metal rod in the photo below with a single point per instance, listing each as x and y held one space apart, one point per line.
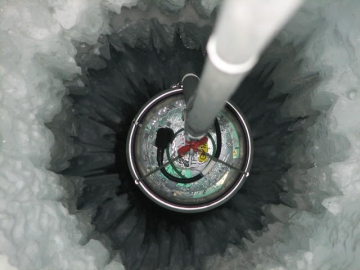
158 168
243 30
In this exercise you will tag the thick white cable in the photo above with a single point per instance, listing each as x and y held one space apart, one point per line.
243 29
227 67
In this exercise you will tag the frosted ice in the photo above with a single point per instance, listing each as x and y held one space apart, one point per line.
205 7
36 55
39 225
322 233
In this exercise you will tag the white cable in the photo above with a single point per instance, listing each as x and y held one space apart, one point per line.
224 66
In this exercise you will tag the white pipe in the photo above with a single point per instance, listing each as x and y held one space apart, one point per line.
243 29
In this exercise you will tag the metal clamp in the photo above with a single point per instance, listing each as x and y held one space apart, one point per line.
136 123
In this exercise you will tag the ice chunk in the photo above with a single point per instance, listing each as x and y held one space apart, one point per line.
205 7
170 5
67 14
116 6
36 55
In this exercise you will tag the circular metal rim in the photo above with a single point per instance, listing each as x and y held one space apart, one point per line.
178 207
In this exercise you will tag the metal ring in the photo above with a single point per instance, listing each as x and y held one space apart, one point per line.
176 206
224 66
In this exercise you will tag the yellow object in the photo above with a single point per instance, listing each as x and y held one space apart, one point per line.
202 157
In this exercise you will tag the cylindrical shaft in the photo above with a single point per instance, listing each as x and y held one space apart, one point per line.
242 31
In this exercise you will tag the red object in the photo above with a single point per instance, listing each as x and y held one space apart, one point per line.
194 145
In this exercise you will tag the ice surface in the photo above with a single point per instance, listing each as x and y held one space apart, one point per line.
322 233
205 7
40 227
36 55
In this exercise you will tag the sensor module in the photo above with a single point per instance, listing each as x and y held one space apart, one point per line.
187 175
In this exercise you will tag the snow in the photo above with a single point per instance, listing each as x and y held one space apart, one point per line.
36 55
324 235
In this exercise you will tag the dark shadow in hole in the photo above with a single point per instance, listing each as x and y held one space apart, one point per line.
149 236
